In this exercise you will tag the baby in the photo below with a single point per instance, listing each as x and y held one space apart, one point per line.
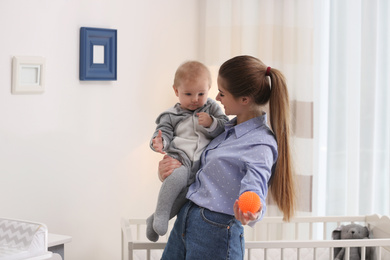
183 131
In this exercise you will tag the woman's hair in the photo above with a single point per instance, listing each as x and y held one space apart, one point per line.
190 71
250 77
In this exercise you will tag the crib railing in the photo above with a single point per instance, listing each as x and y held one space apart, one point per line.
138 241
300 234
316 232
283 245
299 228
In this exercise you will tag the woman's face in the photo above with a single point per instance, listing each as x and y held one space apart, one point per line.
229 102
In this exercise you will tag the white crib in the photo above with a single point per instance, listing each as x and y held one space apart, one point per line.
302 238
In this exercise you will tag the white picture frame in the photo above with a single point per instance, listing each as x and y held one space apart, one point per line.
28 75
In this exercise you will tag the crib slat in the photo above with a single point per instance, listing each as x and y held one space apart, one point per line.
331 255
325 227
363 253
138 231
347 253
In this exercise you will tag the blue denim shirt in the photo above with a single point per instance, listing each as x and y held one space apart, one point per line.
238 160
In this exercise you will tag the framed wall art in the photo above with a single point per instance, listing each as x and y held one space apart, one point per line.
28 75
98 54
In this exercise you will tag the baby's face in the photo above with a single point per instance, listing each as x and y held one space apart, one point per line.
193 94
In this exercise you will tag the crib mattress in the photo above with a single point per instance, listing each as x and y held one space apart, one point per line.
20 239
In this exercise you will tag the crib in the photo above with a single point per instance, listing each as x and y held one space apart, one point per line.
302 238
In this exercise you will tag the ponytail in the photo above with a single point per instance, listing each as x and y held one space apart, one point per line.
282 183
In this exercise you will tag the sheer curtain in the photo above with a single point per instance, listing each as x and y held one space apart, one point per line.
280 33
353 115
335 56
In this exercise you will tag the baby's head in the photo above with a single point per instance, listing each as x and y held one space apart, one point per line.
191 84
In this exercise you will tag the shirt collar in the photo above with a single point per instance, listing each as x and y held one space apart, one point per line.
246 126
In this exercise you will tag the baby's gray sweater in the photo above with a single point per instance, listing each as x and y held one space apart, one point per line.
184 139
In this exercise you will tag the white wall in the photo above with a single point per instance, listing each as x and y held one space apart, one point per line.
76 157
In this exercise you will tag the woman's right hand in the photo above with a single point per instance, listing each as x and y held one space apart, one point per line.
166 167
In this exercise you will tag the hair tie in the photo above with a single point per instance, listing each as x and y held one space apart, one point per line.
268 72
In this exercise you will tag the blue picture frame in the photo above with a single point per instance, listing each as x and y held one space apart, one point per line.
98 54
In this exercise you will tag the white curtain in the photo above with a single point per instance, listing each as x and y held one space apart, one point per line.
335 55
352 118
280 33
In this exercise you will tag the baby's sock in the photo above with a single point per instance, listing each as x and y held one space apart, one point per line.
160 224
150 233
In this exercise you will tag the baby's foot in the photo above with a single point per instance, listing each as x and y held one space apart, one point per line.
150 233
160 225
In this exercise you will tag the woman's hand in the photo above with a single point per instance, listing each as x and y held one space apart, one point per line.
247 217
166 167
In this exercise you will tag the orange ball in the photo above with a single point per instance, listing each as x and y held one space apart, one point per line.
249 201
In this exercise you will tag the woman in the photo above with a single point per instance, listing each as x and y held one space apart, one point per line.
248 156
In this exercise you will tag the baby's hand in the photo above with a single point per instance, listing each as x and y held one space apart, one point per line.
204 119
158 145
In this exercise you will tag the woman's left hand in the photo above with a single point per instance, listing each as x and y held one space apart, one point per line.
247 217
166 166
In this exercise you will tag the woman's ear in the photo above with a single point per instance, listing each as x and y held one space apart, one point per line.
245 100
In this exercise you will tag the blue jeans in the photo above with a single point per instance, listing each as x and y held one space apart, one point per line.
199 233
